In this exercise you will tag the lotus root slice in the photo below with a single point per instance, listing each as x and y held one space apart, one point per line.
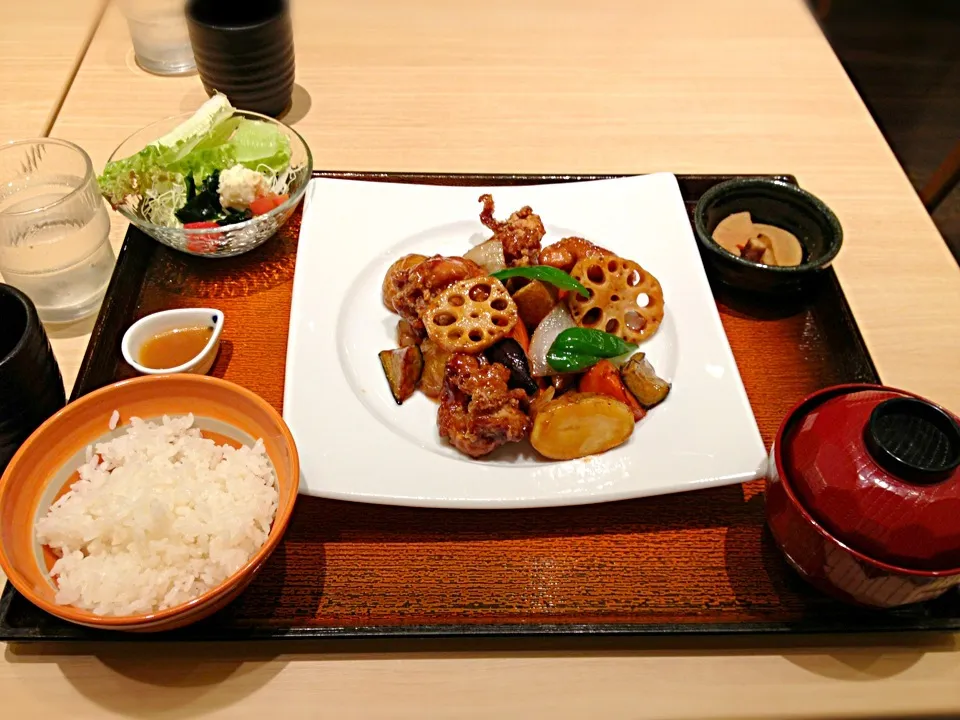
625 300
471 315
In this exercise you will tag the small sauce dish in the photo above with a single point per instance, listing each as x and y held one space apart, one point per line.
778 207
184 340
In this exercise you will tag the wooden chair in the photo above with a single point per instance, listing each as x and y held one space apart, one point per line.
945 177
943 180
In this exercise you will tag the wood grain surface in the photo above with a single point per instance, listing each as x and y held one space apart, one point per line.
613 86
42 45
678 563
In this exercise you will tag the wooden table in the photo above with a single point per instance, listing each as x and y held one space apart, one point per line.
556 86
42 45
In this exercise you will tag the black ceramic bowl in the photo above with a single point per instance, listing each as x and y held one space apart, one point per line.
774 203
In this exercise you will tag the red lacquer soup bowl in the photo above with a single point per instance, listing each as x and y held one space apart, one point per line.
863 495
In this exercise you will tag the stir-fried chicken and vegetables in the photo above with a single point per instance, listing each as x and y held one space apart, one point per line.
523 342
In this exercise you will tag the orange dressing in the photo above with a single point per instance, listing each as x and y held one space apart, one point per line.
174 347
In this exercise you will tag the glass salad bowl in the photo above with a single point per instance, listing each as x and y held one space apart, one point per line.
223 240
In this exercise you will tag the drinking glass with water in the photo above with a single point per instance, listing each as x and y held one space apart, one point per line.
54 228
158 29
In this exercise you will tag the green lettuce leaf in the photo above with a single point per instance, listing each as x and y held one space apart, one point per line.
261 144
168 156
201 163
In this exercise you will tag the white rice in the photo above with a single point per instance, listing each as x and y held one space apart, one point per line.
159 516
114 421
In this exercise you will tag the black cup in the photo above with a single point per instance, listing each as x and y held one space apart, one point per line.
31 388
245 51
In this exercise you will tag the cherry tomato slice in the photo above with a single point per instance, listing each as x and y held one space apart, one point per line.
205 242
262 205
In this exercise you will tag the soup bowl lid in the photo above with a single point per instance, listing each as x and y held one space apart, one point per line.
878 469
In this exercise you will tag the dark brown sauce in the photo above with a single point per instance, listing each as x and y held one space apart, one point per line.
174 347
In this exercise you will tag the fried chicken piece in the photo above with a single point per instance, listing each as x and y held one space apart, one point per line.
520 235
417 286
397 271
568 252
478 412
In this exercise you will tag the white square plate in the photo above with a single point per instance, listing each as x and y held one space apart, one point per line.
355 443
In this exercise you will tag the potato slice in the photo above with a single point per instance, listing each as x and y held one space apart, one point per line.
406 335
580 424
434 367
534 301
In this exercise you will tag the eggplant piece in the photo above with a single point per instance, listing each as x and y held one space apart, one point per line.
509 353
403 368
642 380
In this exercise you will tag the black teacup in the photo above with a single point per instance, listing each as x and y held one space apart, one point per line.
31 388
245 51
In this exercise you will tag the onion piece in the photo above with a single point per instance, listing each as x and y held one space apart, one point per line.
488 255
556 321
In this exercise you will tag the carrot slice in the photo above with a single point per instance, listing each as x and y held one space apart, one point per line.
520 334
604 378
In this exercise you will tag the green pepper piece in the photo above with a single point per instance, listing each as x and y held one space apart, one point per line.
544 273
565 362
586 341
